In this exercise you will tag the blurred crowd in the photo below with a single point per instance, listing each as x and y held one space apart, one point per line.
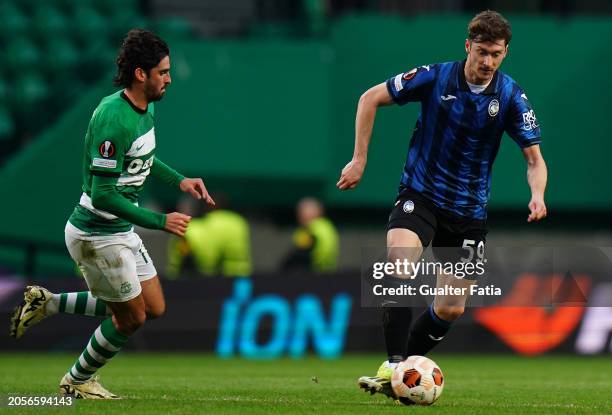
218 242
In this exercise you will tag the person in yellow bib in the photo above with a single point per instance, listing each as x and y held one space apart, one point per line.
316 244
215 244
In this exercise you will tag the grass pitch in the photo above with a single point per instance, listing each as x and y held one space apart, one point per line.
194 384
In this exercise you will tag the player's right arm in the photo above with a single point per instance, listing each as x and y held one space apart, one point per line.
369 102
104 196
403 88
109 144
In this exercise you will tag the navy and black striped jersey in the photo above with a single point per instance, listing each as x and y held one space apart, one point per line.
458 133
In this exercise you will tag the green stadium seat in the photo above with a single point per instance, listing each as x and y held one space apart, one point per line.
116 7
27 6
21 54
49 22
96 59
123 22
88 25
59 58
7 125
68 6
174 27
14 22
29 89
4 91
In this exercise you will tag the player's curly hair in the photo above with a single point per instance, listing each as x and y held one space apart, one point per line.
140 49
489 26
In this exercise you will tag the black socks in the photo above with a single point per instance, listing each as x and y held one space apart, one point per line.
396 325
427 332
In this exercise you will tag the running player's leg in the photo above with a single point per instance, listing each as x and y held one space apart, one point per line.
152 293
81 303
153 296
39 303
411 227
109 267
430 328
433 324
401 244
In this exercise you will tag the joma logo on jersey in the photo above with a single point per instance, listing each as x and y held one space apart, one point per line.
137 165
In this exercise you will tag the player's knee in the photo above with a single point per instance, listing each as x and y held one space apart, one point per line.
156 311
449 313
129 323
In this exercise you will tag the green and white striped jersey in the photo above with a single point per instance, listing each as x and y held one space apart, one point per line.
120 142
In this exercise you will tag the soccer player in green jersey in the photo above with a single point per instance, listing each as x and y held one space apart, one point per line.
119 155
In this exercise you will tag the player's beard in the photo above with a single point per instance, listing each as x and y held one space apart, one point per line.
152 94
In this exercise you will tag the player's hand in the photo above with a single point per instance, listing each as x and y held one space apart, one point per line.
537 209
177 223
351 175
197 189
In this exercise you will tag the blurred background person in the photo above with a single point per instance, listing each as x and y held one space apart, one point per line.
315 243
217 243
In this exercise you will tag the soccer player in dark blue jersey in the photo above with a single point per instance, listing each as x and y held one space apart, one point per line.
466 106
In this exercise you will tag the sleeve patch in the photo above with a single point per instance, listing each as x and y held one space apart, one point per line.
107 149
410 74
398 83
529 121
108 164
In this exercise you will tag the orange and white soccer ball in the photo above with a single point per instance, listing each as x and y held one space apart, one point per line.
417 380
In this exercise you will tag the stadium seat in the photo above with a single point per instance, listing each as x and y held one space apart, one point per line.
68 6
97 58
88 25
49 22
122 23
4 90
7 126
28 90
174 27
14 22
59 58
21 53
115 7
27 6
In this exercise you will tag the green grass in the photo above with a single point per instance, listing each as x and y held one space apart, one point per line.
193 384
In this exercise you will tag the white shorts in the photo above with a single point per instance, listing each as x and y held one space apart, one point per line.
113 265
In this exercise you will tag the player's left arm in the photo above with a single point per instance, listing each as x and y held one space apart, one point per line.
193 186
522 125
537 175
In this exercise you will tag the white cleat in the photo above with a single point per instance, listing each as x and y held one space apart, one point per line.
88 390
381 383
31 311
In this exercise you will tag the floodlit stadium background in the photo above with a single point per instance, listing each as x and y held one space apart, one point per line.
262 107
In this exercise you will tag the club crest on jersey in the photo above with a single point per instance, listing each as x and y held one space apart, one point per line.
107 149
410 74
493 107
408 206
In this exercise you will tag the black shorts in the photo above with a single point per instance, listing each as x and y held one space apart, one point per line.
438 227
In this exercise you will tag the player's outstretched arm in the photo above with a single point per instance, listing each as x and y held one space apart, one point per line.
104 196
537 175
196 188
169 176
364 122
165 173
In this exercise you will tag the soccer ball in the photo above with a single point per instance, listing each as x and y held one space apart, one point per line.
417 380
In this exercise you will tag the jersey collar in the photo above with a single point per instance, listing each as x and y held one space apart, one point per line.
134 107
462 83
